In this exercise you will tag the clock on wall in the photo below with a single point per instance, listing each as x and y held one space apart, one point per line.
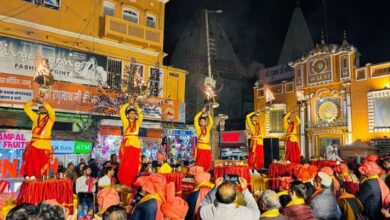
319 66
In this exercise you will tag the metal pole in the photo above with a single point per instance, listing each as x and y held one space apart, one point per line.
207 42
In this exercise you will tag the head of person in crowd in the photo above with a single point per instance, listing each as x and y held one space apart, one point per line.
47 210
115 212
110 172
114 158
86 171
307 173
369 167
297 190
386 164
324 180
82 160
226 193
70 166
23 211
269 200
199 174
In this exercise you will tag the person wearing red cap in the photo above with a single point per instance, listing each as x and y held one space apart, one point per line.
256 153
130 150
202 152
203 186
293 151
373 191
306 174
347 179
159 201
39 152
284 197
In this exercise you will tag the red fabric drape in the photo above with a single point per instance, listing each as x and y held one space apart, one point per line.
38 191
323 163
241 171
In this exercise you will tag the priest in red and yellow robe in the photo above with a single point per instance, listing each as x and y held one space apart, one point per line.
293 151
130 150
256 153
39 152
202 152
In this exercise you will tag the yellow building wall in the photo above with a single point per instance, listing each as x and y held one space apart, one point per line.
359 90
80 25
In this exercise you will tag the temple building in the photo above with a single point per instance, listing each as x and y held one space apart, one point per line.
191 54
335 98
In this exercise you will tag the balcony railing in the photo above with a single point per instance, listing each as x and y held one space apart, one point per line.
131 32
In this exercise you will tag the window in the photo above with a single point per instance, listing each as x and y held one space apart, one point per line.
109 8
150 20
114 71
130 15
53 4
276 119
156 81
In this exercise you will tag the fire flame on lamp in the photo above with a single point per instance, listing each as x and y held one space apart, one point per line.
269 96
210 95
300 96
43 76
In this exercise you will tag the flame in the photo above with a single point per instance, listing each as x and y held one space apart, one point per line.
269 96
209 91
300 95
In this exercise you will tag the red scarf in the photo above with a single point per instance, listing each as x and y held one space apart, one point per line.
90 183
41 124
290 127
257 129
203 132
132 125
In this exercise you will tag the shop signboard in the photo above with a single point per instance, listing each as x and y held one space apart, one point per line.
82 147
15 90
14 139
19 57
62 147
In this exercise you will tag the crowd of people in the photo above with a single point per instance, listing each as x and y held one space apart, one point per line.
345 191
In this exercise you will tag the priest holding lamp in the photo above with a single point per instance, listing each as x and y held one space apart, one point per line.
293 150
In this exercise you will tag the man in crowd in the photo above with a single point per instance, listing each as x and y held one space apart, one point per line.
107 179
85 188
225 195
323 201
332 151
270 203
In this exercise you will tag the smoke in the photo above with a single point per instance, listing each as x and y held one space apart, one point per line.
254 70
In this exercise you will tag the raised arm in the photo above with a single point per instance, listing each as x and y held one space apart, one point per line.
285 122
31 114
122 112
50 111
196 121
211 122
140 117
249 123
297 120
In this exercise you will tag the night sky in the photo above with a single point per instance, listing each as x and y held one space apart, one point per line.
257 28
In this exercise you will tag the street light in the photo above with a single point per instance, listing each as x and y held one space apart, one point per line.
209 79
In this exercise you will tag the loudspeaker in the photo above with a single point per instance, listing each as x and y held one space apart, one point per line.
271 150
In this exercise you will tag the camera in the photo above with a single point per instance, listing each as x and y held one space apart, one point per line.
231 177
